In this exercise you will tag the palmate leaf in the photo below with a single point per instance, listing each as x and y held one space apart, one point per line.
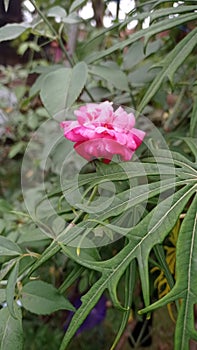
168 163
142 238
173 172
185 288
188 167
179 174
114 172
125 200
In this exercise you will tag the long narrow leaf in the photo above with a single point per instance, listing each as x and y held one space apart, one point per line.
170 64
186 284
154 29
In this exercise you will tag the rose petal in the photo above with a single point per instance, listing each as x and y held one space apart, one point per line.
123 121
102 148
101 132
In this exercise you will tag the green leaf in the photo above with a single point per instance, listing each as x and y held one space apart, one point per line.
132 197
48 253
129 289
170 64
147 33
11 332
2 295
61 88
4 206
76 5
192 144
8 248
90 254
17 148
58 225
115 172
10 289
72 18
54 90
89 300
161 258
12 31
143 74
2 226
89 45
113 75
174 159
43 71
164 12
5 268
71 278
136 54
193 121
31 235
42 298
28 45
150 231
186 14
186 284
56 11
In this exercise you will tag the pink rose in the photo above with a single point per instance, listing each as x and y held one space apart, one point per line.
101 132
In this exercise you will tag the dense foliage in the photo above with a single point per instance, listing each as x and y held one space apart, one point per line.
90 228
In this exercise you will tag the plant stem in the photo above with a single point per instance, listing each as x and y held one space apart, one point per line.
53 31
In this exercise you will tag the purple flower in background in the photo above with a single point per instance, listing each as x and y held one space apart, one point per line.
95 317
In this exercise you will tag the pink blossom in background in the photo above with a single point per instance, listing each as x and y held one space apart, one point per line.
101 132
